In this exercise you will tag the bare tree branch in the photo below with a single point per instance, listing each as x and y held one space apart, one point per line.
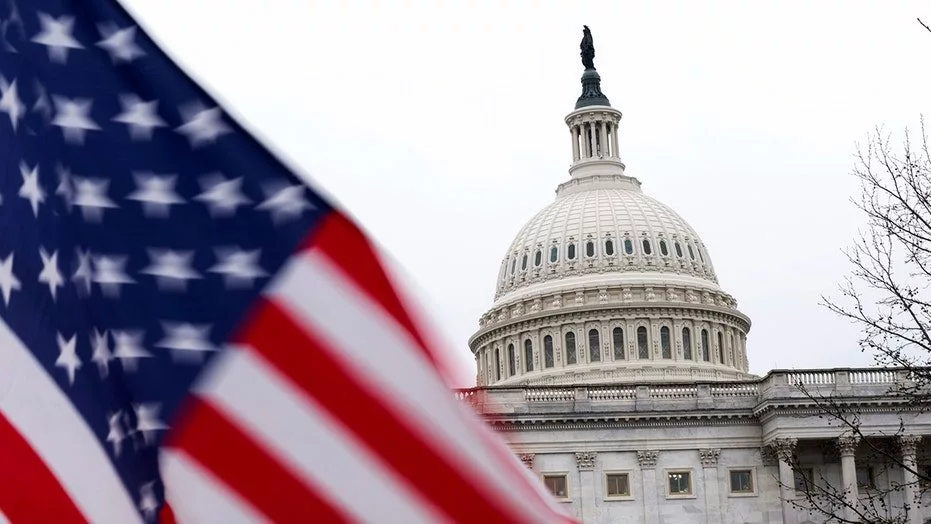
924 25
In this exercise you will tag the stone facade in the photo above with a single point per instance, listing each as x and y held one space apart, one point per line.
593 434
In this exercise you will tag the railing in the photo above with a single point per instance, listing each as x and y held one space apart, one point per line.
877 376
810 378
735 390
548 395
618 393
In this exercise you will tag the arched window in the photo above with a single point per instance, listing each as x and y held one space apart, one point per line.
523 262
554 254
570 348
594 346
643 348
720 347
691 253
590 248
734 352
570 252
686 343
548 351
628 246
700 256
664 342
705 354
528 355
497 364
678 250
647 248
538 258
513 265
512 361
663 250
609 247
617 336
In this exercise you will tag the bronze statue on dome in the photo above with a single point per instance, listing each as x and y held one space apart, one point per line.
588 48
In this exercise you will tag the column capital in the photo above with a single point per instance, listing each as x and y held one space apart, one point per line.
847 445
709 457
647 458
784 448
585 460
527 459
908 444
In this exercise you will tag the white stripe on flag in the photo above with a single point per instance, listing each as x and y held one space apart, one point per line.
44 416
197 496
3 519
370 343
291 427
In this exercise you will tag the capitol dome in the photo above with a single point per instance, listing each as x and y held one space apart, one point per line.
607 284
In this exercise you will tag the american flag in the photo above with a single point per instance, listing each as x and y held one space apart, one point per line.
191 333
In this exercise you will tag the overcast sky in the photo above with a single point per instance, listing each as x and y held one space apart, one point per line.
439 125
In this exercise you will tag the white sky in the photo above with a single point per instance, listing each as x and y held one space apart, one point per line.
439 125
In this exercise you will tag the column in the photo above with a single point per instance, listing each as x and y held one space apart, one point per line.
585 461
709 464
785 451
592 145
603 131
617 152
647 461
574 131
847 447
908 445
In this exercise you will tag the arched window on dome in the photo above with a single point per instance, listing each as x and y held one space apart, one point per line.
570 251
647 248
554 254
664 342
523 262
609 247
730 344
590 248
678 250
700 256
513 265
720 347
686 343
705 352
691 253
538 258
617 336
512 361
497 364
628 246
571 357
548 351
594 346
643 346
528 355
663 250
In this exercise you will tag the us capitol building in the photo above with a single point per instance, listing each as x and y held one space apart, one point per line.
616 365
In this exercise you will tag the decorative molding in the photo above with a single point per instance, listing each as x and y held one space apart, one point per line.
647 458
585 460
527 459
908 445
847 445
709 457
768 456
784 447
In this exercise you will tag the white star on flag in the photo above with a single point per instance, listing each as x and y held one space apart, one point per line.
84 273
68 356
201 125
120 43
188 342
147 421
238 267
222 196
285 203
116 434
65 187
91 197
73 117
10 103
172 269
8 280
141 117
100 345
127 346
31 190
157 193
148 503
43 104
56 35
50 274
109 274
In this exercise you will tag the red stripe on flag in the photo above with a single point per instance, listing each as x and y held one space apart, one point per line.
299 356
29 491
206 436
351 251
